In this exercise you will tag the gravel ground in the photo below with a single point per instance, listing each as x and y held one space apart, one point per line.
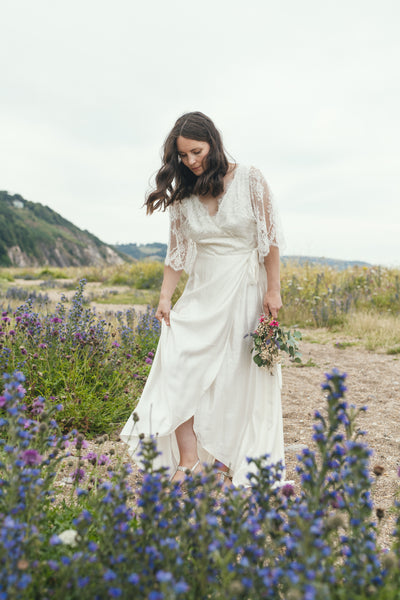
373 380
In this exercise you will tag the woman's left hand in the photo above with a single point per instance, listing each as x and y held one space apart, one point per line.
272 303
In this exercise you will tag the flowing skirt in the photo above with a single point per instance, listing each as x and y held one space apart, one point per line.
203 368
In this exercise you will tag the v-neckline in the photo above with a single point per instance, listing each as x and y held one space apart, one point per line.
221 198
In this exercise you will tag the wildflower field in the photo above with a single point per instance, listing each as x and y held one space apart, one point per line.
71 523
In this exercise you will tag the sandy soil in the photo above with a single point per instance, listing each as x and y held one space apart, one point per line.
373 380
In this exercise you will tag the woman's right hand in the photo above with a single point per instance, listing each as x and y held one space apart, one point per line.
163 310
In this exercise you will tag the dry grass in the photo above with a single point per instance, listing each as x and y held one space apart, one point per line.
377 332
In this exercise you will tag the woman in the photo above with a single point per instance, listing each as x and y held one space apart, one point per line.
205 399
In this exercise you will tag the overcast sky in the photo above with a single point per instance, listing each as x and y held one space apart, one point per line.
308 91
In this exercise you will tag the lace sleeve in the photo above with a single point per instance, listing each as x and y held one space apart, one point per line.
181 249
269 230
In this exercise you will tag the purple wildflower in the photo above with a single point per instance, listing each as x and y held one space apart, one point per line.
287 490
55 540
164 576
31 457
78 474
181 587
38 406
91 457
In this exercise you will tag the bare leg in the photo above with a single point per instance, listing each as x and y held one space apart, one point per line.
225 481
187 444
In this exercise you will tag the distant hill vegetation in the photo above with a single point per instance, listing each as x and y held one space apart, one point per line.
34 235
158 251
155 251
321 260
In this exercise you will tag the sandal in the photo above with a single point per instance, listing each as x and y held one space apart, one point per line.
185 469
223 476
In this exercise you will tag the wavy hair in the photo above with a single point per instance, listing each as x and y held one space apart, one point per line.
175 181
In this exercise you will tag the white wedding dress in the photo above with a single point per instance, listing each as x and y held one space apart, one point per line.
203 366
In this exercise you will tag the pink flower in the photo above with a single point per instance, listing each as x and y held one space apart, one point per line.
274 323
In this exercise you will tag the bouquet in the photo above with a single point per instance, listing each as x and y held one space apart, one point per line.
270 340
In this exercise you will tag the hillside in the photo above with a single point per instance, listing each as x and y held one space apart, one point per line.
34 235
155 251
158 251
336 263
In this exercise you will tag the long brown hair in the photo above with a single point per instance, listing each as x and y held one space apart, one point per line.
175 181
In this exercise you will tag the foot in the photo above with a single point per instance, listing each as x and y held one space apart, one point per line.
181 470
224 478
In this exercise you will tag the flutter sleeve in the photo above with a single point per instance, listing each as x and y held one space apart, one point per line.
269 229
181 249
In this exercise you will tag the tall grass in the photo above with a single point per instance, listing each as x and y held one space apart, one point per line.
375 330
317 296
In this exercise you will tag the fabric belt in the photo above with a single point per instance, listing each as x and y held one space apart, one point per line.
254 267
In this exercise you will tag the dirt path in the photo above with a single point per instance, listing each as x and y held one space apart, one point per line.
372 380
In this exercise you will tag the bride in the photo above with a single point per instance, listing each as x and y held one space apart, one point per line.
205 399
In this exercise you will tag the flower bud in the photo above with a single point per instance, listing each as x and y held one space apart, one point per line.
389 561
378 470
